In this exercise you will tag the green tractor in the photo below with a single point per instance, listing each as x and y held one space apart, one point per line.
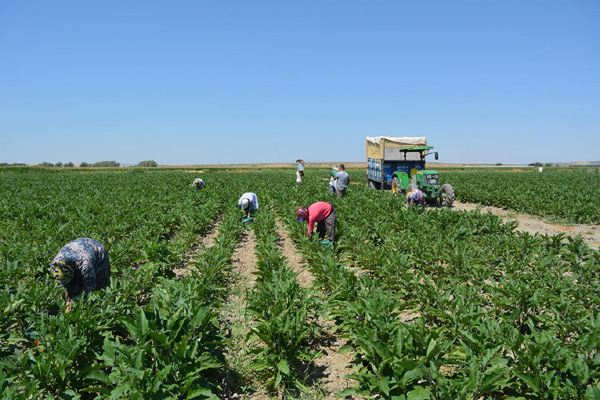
402 168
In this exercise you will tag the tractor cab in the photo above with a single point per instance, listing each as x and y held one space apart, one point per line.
412 159
410 171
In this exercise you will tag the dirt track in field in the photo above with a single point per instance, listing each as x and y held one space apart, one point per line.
207 241
330 369
236 322
294 259
532 224
244 259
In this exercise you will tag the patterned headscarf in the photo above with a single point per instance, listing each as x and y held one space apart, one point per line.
63 270
302 213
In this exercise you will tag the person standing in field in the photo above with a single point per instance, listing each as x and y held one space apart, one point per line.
248 203
321 213
342 180
415 197
81 267
198 183
299 170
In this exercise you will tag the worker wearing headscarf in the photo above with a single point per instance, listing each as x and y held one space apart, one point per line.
415 197
248 203
80 267
321 213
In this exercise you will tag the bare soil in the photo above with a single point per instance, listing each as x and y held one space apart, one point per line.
244 259
330 369
294 259
207 241
533 224
236 322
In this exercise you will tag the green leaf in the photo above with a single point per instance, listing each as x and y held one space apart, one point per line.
201 393
432 350
347 392
142 324
345 349
384 385
100 376
419 393
68 395
283 366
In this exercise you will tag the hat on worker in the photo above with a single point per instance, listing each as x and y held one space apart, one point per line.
302 213
245 203
63 270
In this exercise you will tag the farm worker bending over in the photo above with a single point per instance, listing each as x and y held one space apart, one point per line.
198 183
323 214
342 180
81 266
415 197
248 203
332 182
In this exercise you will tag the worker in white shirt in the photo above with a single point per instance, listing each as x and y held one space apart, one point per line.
248 203
198 183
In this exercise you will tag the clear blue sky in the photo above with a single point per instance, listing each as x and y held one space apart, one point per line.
196 82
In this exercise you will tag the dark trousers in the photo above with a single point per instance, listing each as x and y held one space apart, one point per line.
327 226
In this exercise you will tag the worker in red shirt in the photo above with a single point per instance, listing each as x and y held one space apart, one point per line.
323 214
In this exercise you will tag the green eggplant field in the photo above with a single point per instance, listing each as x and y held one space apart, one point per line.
572 196
430 304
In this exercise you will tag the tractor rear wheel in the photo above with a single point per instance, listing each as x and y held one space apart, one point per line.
395 185
447 195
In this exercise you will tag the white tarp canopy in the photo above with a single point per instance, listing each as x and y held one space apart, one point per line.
408 141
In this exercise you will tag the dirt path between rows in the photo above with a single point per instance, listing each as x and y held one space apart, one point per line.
235 321
330 369
208 240
532 224
294 259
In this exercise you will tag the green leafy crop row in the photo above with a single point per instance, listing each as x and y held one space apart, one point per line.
571 196
284 313
148 335
443 304
433 304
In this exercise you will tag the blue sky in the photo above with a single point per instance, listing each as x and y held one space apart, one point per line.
202 82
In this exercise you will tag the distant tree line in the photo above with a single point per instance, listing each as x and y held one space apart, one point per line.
148 163
100 164
58 164
12 165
